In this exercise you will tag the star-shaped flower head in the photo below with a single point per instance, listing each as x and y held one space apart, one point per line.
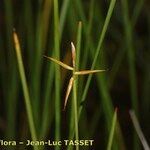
73 69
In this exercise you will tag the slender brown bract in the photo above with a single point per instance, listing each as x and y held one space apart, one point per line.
84 72
68 91
59 63
74 72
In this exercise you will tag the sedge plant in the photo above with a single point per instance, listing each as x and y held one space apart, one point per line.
72 84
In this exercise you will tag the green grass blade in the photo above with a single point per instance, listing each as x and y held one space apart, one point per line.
57 73
109 14
41 31
112 131
28 17
72 109
11 80
45 117
75 84
75 104
25 89
63 14
87 32
78 46
47 114
78 50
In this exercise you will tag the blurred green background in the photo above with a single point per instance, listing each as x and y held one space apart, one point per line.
46 27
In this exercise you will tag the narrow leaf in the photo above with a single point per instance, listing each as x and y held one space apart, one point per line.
73 54
112 131
60 63
88 72
68 91
25 88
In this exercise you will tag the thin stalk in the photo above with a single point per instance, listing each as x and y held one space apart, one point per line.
112 131
46 117
107 20
36 72
101 39
87 31
46 120
25 89
72 110
63 14
57 73
75 112
78 49
107 106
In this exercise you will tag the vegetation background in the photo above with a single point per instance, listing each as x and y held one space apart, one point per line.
46 27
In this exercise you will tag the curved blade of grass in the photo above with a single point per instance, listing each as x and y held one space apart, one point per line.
87 36
107 20
25 89
112 131
138 130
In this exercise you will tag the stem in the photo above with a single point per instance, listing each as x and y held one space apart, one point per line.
25 89
112 131
57 73
75 111
101 39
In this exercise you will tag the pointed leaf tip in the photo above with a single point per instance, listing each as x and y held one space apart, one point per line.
16 41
